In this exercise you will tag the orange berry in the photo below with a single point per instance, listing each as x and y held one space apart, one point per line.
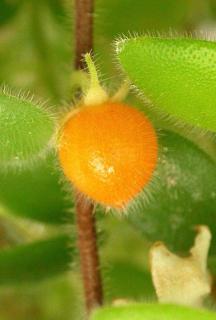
109 152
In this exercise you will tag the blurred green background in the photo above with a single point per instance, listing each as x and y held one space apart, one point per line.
39 271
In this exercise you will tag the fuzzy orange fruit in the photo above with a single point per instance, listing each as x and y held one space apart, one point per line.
109 152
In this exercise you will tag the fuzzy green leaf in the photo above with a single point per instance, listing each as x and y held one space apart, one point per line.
25 130
182 195
36 193
35 261
177 75
151 312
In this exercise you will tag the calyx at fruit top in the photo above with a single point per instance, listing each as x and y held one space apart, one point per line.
95 93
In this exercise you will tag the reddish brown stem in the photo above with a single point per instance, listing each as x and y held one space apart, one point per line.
86 226
83 30
88 252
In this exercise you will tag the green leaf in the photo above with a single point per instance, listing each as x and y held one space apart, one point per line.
25 130
125 280
212 265
178 75
151 312
212 6
8 10
58 9
36 193
182 195
53 299
112 20
35 261
38 38
150 15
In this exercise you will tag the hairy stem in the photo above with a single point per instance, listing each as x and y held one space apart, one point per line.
87 237
88 252
83 30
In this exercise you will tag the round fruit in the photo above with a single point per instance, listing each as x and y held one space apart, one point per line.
109 152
